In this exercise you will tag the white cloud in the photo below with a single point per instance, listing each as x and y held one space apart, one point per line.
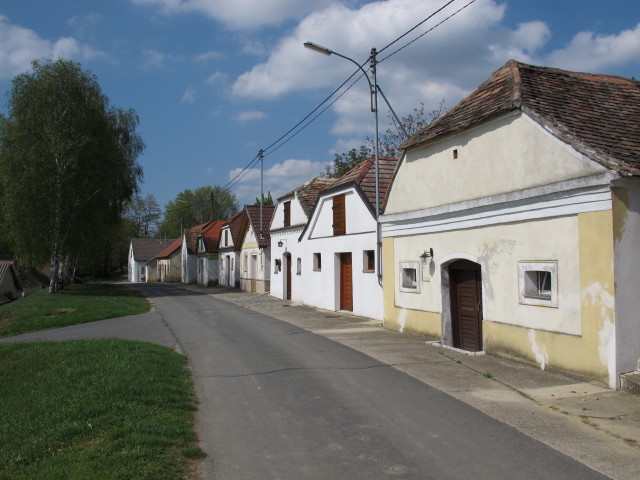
250 115
19 46
217 77
189 96
208 56
593 53
446 63
278 179
240 14
155 59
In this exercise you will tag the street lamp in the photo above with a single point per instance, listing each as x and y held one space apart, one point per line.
373 90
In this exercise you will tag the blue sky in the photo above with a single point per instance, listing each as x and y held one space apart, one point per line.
214 81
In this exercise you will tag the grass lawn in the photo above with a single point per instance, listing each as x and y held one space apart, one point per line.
95 409
77 303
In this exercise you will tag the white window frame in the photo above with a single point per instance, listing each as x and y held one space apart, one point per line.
402 271
529 273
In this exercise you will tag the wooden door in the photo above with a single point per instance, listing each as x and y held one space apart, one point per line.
466 305
346 282
287 258
228 263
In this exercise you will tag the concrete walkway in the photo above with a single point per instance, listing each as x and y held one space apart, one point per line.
595 425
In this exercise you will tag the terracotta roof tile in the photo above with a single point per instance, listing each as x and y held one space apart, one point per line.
175 245
364 175
253 212
307 194
235 225
211 234
598 115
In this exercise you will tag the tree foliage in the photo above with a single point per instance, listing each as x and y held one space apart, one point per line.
388 143
69 163
195 207
268 200
142 216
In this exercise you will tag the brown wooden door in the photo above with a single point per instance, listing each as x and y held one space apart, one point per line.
466 305
346 282
287 258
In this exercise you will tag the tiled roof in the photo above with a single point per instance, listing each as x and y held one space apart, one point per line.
191 237
253 212
364 175
308 192
598 115
145 249
211 234
235 225
175 245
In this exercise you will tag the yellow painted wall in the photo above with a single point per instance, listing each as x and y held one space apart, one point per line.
583 246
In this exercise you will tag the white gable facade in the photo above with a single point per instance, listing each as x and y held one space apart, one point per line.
229 271
288 223
255 273
336 265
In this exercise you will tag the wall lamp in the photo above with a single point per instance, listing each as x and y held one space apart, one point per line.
280 244
426 254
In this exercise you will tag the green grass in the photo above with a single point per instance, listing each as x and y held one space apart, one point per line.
95 409
78 303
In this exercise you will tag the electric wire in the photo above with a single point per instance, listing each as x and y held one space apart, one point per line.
300 126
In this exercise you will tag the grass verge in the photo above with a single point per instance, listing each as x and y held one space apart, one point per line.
95 409
77 303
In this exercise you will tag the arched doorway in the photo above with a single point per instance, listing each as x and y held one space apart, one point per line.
465 292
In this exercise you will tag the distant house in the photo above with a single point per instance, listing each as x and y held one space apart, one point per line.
10 287
207 240
289 219
255 250
229 251
141 250
189 254
513 224
338 261
169 263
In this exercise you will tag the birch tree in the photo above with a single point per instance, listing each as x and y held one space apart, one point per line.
68 161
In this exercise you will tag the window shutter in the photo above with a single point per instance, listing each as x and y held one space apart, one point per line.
287 214
339 220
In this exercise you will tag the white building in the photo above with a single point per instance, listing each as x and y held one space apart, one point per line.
512 226
229 251
141 250
337 261
290 217
207 240
255 254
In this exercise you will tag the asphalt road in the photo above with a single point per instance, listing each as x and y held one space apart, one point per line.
278 402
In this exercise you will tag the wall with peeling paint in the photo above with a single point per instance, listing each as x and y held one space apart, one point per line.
517 194
626 233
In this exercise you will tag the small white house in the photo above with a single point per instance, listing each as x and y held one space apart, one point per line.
189 273
338 261
169 263
141 250
255 253
229 251
290 218
207 240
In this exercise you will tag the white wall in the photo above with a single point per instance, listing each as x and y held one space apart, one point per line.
321 289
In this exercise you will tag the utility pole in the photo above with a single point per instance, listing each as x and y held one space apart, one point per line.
213 211
261 155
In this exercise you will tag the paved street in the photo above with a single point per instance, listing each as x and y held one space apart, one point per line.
279 402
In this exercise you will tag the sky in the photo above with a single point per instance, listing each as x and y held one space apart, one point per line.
215 81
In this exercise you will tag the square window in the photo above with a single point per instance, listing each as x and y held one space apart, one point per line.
317 262
408 281
538 283
369 261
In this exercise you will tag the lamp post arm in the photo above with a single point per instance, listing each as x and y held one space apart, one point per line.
399 123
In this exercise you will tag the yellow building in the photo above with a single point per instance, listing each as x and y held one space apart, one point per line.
512 225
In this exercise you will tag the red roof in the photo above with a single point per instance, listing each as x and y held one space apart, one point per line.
598 115
175 245
235 226
253 212
211 234
364 175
